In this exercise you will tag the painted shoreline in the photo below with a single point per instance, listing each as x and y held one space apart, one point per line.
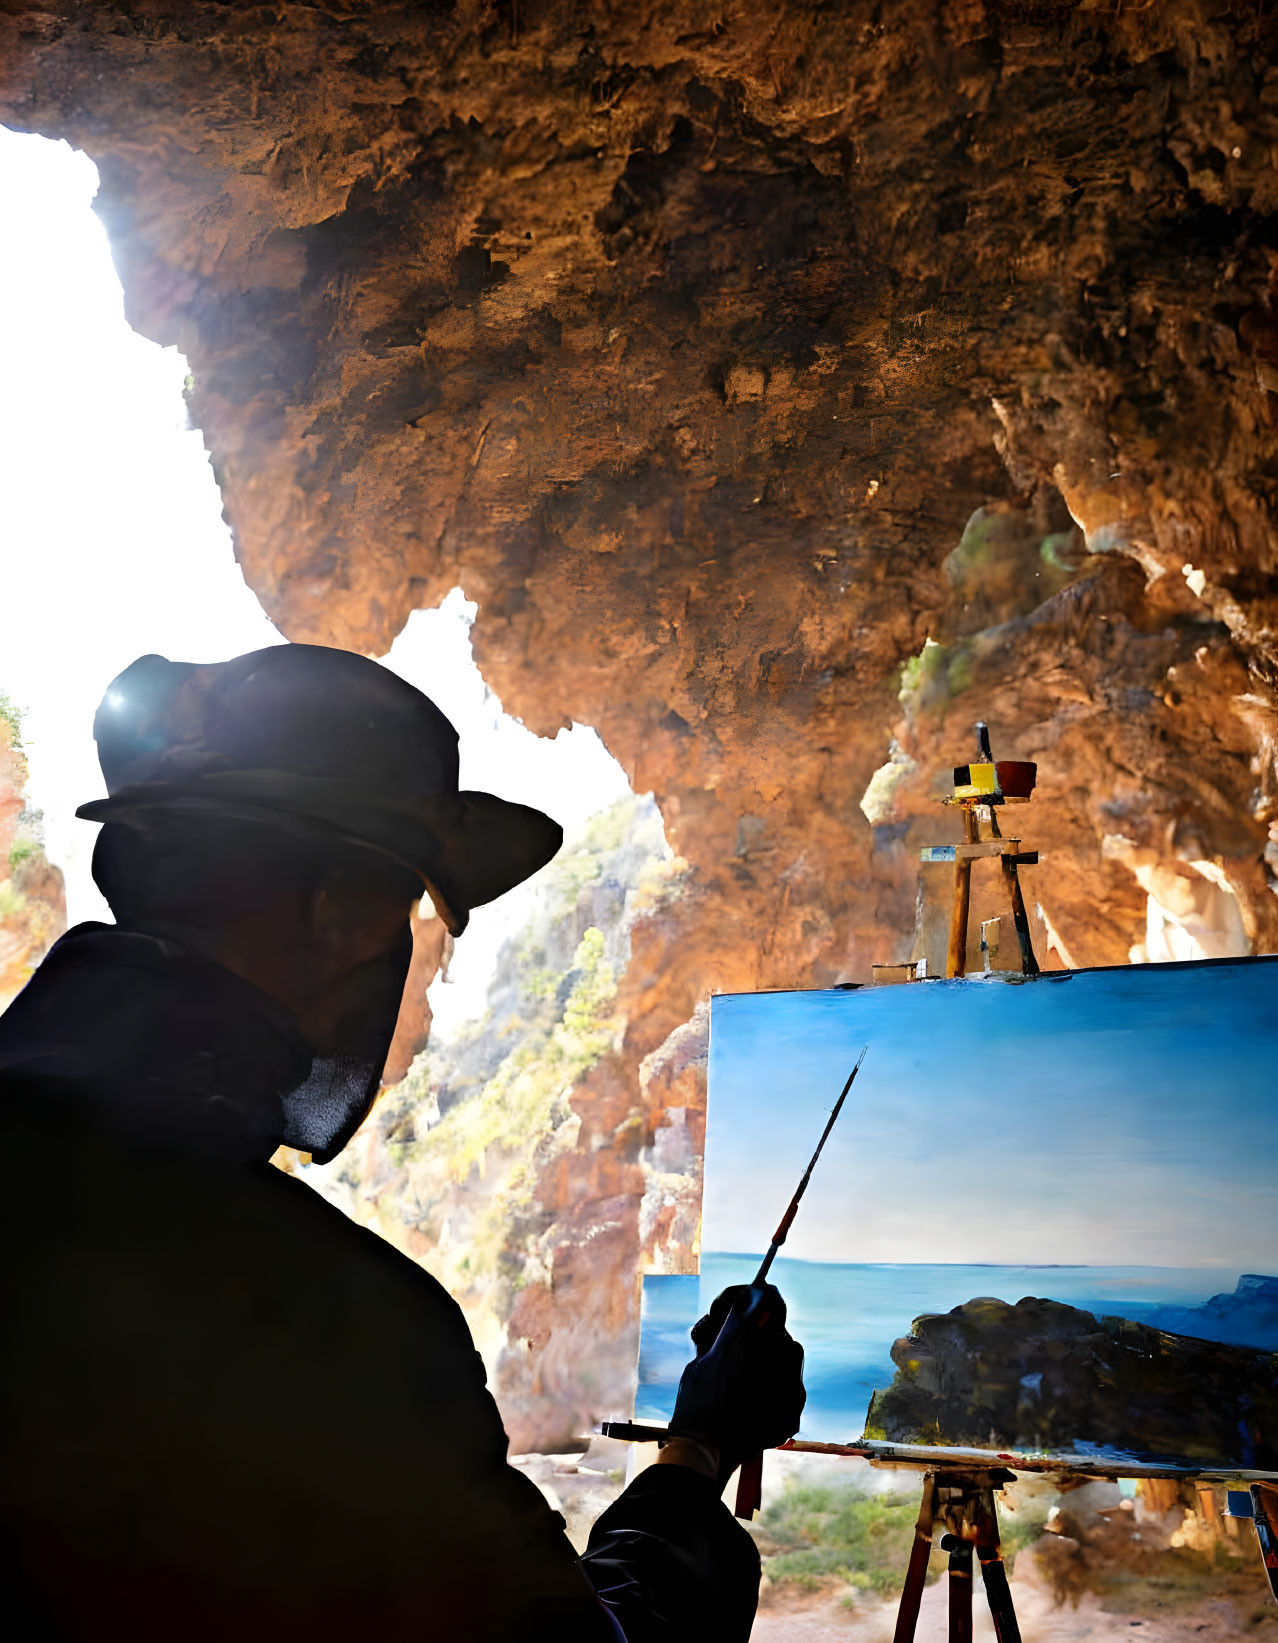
848 1315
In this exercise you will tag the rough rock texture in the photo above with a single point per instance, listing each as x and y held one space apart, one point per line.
33 908
726 357
1042 1375
431 946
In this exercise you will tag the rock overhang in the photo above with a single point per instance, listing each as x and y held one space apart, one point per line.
690 347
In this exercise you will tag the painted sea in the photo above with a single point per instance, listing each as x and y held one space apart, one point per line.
848 1315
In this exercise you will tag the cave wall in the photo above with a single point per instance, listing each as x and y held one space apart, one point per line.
726 358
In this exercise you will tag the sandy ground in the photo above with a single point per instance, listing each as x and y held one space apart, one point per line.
1244 1609
1240 1606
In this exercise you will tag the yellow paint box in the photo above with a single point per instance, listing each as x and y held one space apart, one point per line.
975 781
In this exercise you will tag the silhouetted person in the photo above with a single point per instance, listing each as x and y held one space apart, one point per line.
227 1411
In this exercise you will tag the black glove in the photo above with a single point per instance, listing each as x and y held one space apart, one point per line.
744 1389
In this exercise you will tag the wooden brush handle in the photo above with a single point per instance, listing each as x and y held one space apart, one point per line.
750 1486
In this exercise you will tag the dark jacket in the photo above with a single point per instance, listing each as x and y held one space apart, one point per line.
228 1412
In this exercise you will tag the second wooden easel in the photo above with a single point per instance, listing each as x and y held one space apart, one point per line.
979 788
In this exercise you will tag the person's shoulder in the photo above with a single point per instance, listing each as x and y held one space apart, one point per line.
357 1267
63 1136
326 1225
358 1296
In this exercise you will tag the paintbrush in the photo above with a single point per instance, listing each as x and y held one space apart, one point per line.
787 1220
750 1481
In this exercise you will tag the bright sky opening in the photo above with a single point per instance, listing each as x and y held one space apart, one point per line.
112 542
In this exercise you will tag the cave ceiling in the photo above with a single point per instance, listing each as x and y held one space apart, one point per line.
687 341
728 356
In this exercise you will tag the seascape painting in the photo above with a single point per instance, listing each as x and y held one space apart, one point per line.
1046 1221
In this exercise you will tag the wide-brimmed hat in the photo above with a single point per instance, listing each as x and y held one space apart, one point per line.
319 741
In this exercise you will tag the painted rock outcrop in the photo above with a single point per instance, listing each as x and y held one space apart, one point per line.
789 386
1042 1375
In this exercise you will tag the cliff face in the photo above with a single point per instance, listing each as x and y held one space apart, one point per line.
727 359
33 911
1244 1316
498 1162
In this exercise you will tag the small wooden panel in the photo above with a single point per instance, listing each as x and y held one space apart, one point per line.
987 847
981 848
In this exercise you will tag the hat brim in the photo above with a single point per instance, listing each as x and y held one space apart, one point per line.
467 848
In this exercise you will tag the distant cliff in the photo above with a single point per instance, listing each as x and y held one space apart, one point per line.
1042 1375
1245 1316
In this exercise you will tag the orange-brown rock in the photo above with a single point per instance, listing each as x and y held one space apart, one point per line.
431 943
33 909
725 358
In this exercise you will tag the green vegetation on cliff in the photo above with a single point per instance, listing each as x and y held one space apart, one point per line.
518 1102
463 1162
930 680
12 901
12 717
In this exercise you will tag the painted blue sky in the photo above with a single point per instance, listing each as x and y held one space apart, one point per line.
1099 1117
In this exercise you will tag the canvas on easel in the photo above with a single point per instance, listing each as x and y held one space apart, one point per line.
1047 1221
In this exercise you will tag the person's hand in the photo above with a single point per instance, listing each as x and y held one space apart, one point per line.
744 1389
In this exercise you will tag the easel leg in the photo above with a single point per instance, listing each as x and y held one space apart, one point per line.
1029 964
1264 1499
956 957
994 1571
960 1588
999 1593
907 1616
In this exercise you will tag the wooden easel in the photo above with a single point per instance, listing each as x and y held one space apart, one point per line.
978 788
958 1495
962 1501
